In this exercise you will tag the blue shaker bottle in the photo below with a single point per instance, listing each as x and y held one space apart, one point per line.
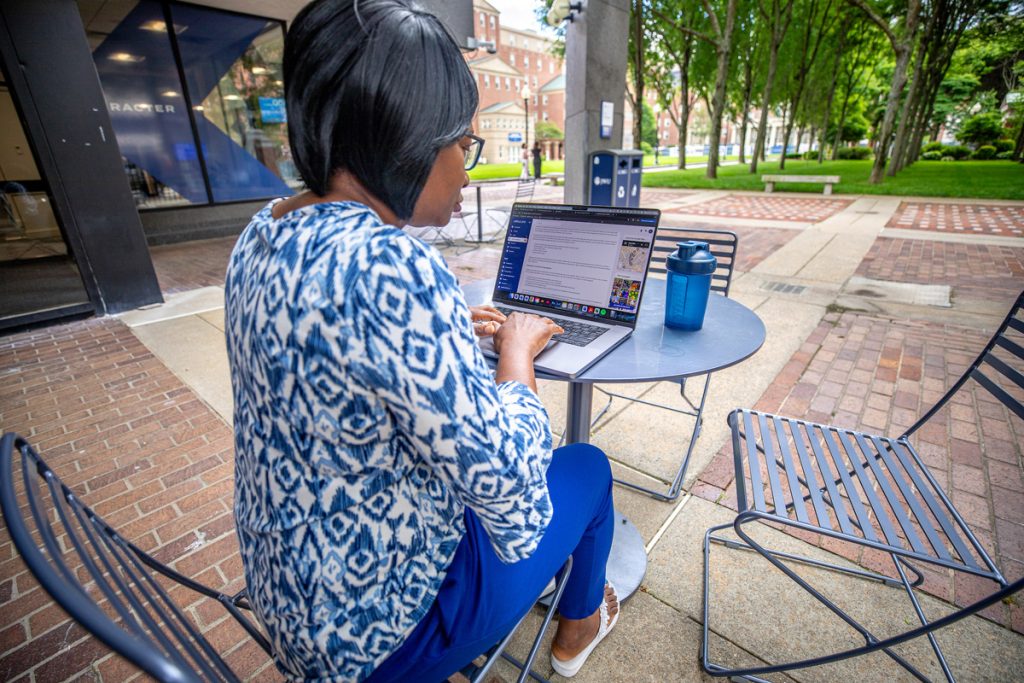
689 283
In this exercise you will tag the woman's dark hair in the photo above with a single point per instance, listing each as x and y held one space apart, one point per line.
376 88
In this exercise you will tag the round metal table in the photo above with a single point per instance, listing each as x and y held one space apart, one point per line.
653 353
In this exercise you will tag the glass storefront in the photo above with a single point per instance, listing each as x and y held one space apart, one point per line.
38 273
197 109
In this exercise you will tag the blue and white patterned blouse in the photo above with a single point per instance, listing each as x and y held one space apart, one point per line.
365 419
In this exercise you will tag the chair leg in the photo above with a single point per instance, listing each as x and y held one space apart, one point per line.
526 667
676 487
873 644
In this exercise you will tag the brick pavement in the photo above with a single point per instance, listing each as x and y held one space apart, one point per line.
757 244
985 219
191 265
150 457
976 271
864 372
768 208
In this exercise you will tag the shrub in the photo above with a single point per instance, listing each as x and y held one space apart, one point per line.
933 147
794 155
854 153
948 158
1008 154
1004 145
957 152
932 156
981 129
984 152
646 148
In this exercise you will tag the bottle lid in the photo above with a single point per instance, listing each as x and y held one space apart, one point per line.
691 258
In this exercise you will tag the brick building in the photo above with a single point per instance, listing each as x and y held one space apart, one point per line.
523 63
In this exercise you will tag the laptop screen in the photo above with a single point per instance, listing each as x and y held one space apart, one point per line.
589 262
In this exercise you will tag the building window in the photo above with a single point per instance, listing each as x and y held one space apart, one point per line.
483 21
508 83
551 67
512 59
545 116
526 61
512 40
535 100
545 100
487 80
232 144
492 21
518 85
526 44
534 81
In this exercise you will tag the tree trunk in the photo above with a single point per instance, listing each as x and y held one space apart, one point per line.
1018 145
684 91
766 107
748 91
723 48
832 91
787 130
910 103
638 57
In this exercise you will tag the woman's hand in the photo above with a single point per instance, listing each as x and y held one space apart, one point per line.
525 333
486 320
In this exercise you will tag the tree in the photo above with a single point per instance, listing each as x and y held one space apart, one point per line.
637 69
777 14
720 38
650 127
545 130
982 129
900 26
816 27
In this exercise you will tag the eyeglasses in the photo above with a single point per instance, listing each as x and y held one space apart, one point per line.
473 151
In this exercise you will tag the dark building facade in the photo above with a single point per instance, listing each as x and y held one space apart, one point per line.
128 123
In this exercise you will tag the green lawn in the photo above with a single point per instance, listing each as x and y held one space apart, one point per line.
980 179
511 171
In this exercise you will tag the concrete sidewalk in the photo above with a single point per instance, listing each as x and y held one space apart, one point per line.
816 271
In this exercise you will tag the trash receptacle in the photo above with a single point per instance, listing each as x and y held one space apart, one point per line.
615 176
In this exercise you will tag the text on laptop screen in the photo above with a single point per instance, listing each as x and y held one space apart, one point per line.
588 262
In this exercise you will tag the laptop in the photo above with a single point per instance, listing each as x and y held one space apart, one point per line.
582 266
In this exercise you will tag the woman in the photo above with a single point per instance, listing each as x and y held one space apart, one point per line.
398 507
524 158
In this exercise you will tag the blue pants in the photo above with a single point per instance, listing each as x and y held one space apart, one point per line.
481 598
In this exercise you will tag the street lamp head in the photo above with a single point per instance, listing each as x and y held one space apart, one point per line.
525 92
562 10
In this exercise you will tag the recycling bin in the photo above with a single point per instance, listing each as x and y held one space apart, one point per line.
615 176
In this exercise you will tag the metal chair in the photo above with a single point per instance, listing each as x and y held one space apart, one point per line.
723 245
869 490
437 234
502 214
478 673
120 593
108 585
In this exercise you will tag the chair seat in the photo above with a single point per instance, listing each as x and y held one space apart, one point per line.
855 486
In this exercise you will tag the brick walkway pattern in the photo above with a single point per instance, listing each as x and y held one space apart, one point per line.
879 375
151 458
768 208
191 265
976 271
991 219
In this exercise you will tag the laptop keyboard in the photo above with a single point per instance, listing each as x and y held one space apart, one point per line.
576 333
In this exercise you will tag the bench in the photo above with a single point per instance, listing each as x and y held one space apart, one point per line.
770 180
555 178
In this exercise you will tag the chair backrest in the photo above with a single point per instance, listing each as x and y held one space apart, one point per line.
112 588
524 190
999 368
723 245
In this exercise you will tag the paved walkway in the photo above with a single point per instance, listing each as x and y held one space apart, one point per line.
868 319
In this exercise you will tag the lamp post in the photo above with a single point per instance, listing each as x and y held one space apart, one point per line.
525 94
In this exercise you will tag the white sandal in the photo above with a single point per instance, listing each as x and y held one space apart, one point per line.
570 668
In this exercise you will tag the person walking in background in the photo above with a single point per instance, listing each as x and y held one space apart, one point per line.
524 172
536 160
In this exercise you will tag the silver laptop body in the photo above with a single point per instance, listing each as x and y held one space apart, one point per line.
582 266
